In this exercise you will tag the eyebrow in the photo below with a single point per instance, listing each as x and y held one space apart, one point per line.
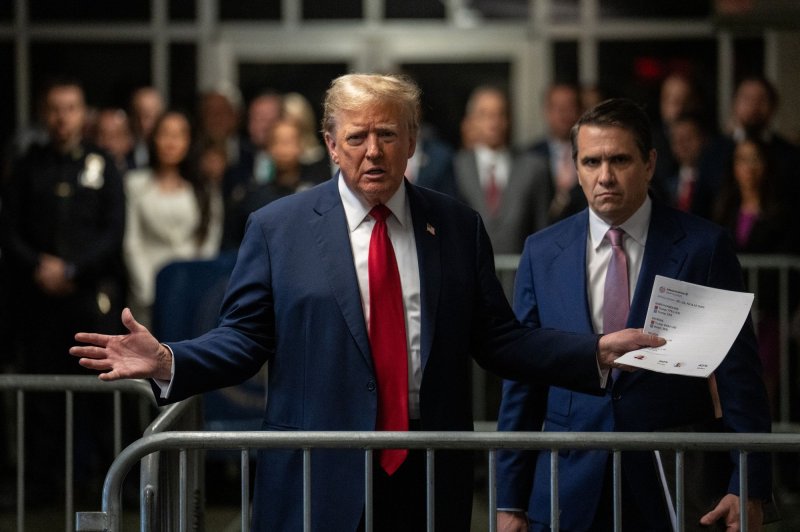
618 155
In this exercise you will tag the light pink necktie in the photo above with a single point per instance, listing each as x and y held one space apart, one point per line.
387 336
616 300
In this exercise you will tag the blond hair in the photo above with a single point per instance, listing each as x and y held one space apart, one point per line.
356 91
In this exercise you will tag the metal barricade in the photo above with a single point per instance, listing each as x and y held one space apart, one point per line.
161 476
109 518
783 266
22 385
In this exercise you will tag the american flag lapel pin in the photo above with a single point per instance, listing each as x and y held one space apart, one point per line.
429 228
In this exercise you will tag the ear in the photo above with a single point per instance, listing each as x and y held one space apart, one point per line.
650 165
330 142
412 145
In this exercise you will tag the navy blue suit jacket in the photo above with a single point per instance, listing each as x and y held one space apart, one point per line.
293 302
551 292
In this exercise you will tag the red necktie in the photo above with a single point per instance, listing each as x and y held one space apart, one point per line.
492 193
387 337
616 301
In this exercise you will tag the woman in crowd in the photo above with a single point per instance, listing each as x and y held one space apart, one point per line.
750 207
290 175
313 156
172 213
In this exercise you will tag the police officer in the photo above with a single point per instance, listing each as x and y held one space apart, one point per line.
63 222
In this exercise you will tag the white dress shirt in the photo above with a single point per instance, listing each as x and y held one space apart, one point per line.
598 255
401 233
488 161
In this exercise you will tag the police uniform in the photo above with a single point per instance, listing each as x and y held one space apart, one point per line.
70 205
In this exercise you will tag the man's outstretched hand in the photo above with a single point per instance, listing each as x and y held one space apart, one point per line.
614 345
135 355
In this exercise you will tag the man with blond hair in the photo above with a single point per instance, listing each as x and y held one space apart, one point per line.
367 296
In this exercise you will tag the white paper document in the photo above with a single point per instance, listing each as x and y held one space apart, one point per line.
699 323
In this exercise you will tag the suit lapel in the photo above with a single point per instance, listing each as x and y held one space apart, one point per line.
329 227
568 272
430 266
662 256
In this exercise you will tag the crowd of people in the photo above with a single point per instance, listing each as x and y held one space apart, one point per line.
97 202
165 184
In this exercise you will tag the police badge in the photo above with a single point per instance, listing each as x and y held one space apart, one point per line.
92 174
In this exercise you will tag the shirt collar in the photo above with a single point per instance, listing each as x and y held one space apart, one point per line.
487 155
356 209
635 227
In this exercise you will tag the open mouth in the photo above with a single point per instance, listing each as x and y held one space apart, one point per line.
375 172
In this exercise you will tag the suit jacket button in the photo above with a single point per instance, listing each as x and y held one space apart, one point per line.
371 386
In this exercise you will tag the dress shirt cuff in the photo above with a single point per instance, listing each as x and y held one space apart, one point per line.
602 373
166 386
603 376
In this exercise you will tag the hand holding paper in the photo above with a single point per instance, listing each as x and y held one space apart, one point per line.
699 324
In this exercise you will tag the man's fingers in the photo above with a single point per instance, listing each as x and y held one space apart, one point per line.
129 321
88 351
112 375
649 340
713 516
709 519
100 340
655 341
95 364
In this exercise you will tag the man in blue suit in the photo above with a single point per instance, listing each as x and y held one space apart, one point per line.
300 300
561 284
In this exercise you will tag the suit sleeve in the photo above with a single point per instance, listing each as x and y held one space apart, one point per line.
745 407
514 351
523 405
245 338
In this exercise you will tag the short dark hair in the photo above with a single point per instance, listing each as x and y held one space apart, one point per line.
58 82
617 112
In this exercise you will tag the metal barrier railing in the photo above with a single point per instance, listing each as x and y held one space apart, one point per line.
69 385
109 518
153 476
782 265
159 480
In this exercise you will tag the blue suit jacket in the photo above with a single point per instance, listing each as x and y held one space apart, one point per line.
293 302
551 291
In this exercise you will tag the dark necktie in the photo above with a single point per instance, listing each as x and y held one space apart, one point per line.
387 336
616 300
